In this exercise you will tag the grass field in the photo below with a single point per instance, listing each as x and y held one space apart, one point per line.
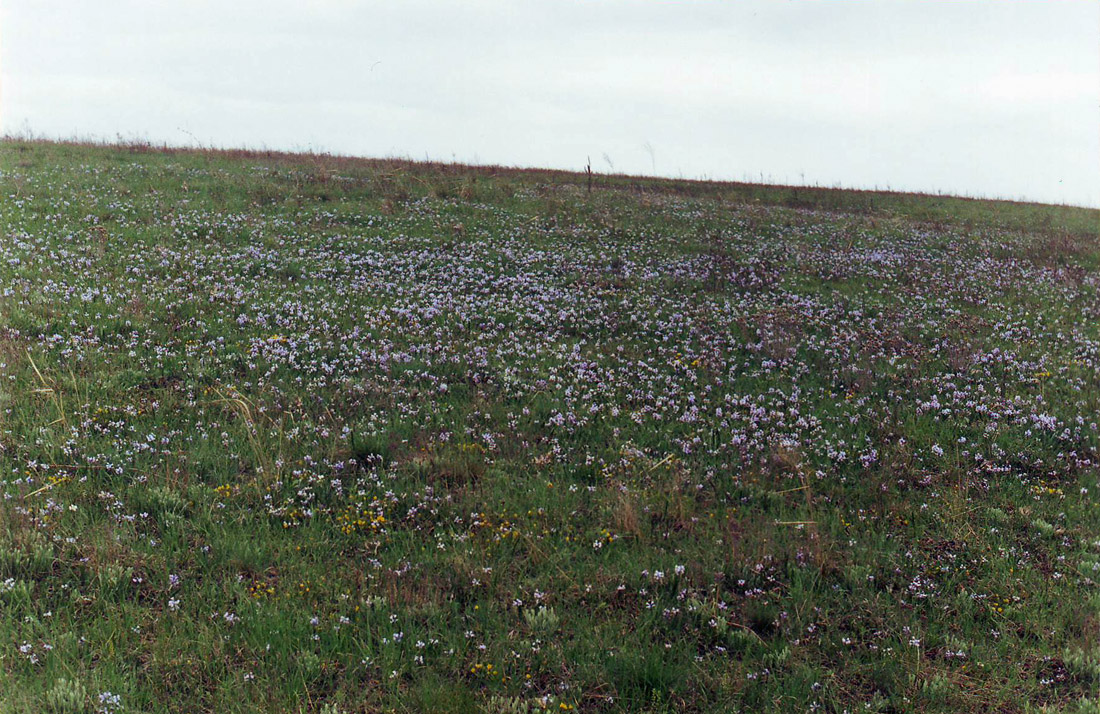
313 434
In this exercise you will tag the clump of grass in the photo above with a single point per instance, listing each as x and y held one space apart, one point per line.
370 449
453 466
645 677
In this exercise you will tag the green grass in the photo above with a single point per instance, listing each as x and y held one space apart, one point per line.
310 433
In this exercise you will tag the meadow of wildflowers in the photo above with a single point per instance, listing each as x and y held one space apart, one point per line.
321 435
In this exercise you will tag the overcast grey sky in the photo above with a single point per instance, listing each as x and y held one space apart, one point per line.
984 97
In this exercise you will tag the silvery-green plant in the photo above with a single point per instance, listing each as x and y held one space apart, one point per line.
938 688
310 664
14 591
113 579
778 657
1044 528
1089 567
168 502
66 697
1083 664
14 561
39 552
508 705
1081 706
543 619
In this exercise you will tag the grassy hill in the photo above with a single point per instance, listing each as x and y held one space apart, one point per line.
316 434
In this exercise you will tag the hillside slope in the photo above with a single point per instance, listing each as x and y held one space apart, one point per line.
316 434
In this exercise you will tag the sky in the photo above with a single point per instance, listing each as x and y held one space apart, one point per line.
993 98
